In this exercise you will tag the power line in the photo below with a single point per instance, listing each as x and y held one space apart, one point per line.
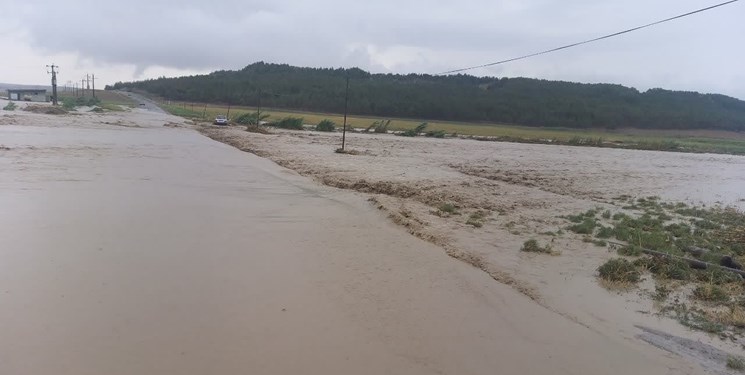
591 40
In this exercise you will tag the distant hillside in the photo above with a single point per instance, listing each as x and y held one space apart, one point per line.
522 101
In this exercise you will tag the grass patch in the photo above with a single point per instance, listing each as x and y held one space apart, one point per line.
532 246
619 270
736 363
661 292
476 219
710 293
447 209
474 223
630 251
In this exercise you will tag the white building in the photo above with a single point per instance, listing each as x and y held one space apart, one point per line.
28 95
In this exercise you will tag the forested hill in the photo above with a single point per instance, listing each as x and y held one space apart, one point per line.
460 97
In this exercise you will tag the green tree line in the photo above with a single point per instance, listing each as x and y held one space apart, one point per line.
523 101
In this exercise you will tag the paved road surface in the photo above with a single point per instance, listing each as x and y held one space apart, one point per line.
158 251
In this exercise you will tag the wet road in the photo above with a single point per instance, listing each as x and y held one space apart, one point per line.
158 251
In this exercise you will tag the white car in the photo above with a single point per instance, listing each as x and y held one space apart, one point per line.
221 120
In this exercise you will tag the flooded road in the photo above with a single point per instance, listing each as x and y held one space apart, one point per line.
156 250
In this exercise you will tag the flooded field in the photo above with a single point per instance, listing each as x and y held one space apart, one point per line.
133 244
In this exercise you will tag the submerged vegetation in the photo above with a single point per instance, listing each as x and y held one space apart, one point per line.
678 245
532 246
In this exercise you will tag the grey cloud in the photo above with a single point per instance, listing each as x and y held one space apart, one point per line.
424 36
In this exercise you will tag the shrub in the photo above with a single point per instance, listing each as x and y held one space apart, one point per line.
606 214
587 226
619 216
379 126
532 246
619 270
69 103
604 232
326 126
293 123
10 107
413 132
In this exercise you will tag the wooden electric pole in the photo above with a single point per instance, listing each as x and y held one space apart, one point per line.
93 77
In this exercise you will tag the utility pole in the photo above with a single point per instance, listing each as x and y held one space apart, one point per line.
82 85
54 82
258 110
93 76
346 102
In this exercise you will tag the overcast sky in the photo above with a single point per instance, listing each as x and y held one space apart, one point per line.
136 39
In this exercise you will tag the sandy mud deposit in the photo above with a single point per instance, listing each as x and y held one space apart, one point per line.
481 200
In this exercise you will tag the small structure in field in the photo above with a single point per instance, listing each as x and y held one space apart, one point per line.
28 95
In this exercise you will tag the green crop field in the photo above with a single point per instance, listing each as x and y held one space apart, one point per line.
664 141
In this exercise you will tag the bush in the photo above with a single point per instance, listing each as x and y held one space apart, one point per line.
619 270
293 123
69 103
532 246
326 126
10 107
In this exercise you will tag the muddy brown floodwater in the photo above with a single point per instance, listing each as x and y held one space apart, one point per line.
132 244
